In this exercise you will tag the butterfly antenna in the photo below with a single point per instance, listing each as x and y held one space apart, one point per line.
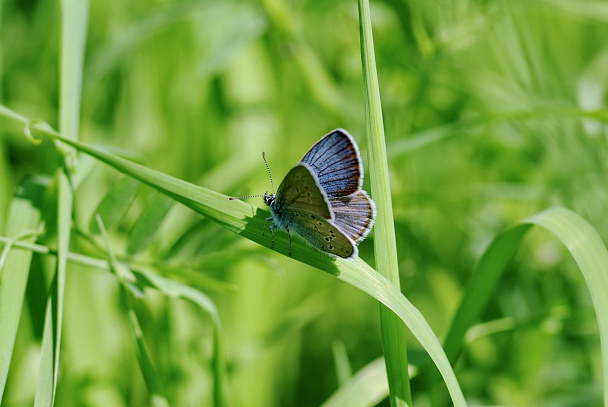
269 174
245 197
258 195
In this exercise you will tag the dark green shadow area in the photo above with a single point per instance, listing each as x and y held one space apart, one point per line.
254 230
32 188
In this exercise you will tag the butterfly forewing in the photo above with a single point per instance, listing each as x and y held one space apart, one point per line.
301 191
354 214
336 163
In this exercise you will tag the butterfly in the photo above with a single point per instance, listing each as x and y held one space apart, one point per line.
321 198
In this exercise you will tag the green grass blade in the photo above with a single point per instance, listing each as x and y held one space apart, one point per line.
342 362
23 218
576 234
145 279
115 204
146 365
175 289
367 388
589 252
248 221
393 331
44 386
5 195
143 231
172 289
359 274
74 15
481 286
430 136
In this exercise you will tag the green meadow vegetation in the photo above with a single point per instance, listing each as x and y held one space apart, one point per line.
127 278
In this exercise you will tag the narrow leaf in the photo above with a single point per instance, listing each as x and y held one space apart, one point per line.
393 331
144 230
74 14
146 365
365 389
579 237
23 218
115 204
178 290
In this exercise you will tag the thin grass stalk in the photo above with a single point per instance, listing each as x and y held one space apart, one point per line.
393 330
74 15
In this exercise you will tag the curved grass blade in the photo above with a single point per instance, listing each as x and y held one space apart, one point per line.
579 237
589 252
481 286
248 221
366 388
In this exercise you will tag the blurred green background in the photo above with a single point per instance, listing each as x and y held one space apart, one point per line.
484 107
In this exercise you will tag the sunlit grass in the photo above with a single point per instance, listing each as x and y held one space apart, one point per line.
492 113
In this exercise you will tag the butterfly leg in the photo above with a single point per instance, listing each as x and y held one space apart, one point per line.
265 220
271 231
272 228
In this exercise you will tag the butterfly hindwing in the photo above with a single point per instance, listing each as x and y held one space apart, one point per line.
354 214
300 190
336 163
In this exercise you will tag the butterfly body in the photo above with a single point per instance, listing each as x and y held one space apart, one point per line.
321 198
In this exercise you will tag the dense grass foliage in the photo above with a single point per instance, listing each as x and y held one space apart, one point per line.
493 112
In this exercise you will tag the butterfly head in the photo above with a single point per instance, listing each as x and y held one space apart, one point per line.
269 198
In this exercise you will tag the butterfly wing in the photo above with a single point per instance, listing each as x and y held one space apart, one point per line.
336 162
321 198
354 214
321 233
302 206
300 190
